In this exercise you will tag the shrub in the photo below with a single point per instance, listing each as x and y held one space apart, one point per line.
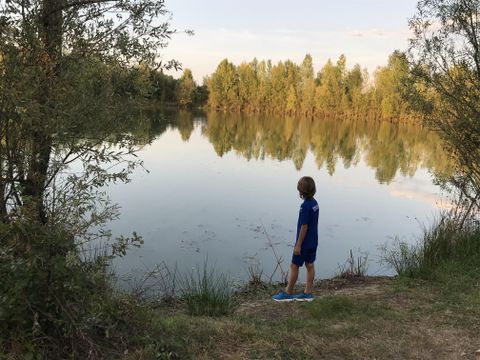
56 304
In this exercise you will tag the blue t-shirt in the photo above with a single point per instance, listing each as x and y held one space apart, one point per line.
309 215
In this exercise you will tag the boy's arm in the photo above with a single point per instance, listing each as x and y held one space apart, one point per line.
301 237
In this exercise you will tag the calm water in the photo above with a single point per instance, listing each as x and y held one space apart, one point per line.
215 182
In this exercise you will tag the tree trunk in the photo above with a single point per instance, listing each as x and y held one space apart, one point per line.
44 125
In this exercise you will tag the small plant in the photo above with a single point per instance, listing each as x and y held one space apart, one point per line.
207 292
401 257
255 273
353 268
279 259
160 284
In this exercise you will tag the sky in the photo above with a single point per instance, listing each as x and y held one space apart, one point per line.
366 31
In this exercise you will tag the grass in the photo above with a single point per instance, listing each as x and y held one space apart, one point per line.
341 307
206 292
442 243
414 319
353 267
255 273
398 321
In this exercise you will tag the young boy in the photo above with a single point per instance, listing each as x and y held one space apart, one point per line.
306 243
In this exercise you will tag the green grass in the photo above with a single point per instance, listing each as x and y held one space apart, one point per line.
341 307
394 321
442 243
206 292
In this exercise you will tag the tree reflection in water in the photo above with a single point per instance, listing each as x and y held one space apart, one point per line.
386 147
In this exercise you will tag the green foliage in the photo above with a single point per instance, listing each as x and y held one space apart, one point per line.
353 267
402 257
390 83
207 292
247 85
306 85
292 89
329 93
61 65
186 89
57 303
64 66
445 83
223 86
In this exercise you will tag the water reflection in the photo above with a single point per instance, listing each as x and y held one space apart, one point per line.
388 148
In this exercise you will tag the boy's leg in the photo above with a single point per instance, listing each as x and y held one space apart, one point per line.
292 279
310 277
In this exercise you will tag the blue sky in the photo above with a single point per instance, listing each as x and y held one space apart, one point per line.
366 31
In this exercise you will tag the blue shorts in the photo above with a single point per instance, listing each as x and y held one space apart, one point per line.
306 256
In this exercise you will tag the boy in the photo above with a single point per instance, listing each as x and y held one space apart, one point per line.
306 243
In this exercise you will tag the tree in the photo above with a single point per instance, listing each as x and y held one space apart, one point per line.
307 85
329 92
390 81
264 84
354 82
58 107
247 85
278 90
445 51
163 87
223 86
41 43
186 89
291 101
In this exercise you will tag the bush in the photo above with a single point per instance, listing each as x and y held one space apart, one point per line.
43 283
54 304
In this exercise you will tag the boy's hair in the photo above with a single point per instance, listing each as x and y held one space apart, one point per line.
306 187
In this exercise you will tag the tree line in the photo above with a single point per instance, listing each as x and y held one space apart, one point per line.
289 88
144 82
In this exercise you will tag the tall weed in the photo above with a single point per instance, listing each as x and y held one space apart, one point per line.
207 292
443 242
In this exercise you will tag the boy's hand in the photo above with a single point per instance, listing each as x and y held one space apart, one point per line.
297 250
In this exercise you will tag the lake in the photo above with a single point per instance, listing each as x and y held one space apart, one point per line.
221 186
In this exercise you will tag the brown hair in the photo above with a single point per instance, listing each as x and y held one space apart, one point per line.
306 187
